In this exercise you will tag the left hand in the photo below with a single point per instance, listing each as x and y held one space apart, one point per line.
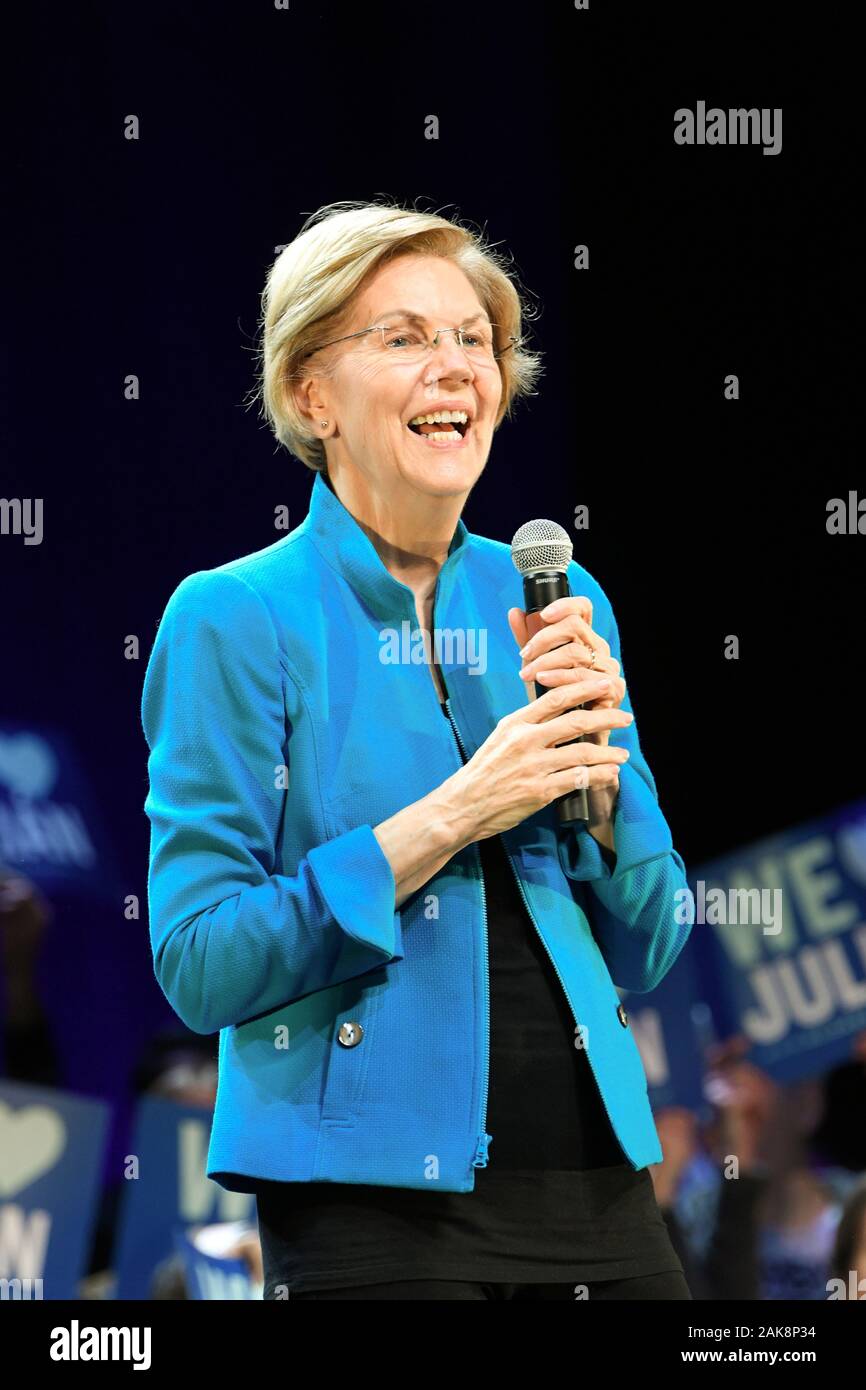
563 641
553 643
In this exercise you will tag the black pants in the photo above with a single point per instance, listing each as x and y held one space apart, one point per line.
668 1285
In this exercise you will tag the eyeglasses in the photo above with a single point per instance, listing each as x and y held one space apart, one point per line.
405 342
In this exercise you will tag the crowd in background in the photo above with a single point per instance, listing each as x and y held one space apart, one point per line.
766 1200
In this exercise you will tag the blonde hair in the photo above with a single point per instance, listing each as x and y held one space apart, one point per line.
310 287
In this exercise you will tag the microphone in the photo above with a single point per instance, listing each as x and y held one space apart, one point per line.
541 551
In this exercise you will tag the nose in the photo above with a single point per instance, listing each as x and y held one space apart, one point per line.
449 359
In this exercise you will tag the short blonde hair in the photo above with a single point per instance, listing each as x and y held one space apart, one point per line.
309 293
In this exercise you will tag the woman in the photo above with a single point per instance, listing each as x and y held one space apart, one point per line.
357 870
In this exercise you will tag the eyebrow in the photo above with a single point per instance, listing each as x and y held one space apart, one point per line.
419 318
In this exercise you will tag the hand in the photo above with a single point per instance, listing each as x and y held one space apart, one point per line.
745 1099
562 643
556 643
528 760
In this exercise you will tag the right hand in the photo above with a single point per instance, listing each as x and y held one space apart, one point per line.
746 1101
519 769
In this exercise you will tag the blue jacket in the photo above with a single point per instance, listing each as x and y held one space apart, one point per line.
354 1038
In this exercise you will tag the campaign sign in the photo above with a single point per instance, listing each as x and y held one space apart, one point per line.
666 1024
51 1151
214 1277
167 1188
780 943
50 828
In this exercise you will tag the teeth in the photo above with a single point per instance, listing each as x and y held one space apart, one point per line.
441 434
442 417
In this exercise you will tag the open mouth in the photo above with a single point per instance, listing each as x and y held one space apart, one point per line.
442 427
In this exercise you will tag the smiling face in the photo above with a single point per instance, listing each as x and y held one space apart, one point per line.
372 395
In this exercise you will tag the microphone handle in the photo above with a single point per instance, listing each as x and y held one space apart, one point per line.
540 588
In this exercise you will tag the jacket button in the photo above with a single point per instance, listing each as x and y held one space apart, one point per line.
622 1016
350 1034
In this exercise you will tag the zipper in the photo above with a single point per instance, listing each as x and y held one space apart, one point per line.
483 1139
564 990
482 1143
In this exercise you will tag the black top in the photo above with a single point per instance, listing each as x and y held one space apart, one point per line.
558 1200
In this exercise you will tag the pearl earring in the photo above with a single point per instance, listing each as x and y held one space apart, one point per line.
324 424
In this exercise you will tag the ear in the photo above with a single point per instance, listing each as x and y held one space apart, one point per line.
309 397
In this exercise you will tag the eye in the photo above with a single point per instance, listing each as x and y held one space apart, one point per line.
478 341
402 338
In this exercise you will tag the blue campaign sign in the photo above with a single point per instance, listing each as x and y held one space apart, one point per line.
50 827
51 1149
214 1277
167 1188
666 1024
780 943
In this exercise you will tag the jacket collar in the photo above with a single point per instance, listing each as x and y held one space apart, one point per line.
346 547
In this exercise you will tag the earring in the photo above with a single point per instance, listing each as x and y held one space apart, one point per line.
324 424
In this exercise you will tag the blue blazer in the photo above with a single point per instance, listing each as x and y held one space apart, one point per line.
286 716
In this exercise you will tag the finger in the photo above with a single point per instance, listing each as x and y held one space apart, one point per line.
557 675
581 722
571 628
594 701
547 680
517 623
562 698
550 680
578 603
576 656
583 754
585 777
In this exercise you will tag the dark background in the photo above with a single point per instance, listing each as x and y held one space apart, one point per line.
707 517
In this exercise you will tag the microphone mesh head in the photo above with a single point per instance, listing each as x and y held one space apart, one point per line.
541 545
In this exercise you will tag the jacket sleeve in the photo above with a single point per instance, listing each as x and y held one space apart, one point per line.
231 937
641 909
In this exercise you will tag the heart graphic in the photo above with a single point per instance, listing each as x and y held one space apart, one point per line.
31 1142
27 765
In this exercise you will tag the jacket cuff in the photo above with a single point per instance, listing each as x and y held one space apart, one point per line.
356 881
640 831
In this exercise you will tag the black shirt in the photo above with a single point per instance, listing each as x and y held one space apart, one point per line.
558 1200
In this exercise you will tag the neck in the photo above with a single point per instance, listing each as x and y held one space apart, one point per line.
411 531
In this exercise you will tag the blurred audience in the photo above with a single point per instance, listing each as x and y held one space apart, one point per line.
780 1169
765 1201
848 1263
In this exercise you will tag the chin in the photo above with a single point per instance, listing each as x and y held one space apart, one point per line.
445 474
